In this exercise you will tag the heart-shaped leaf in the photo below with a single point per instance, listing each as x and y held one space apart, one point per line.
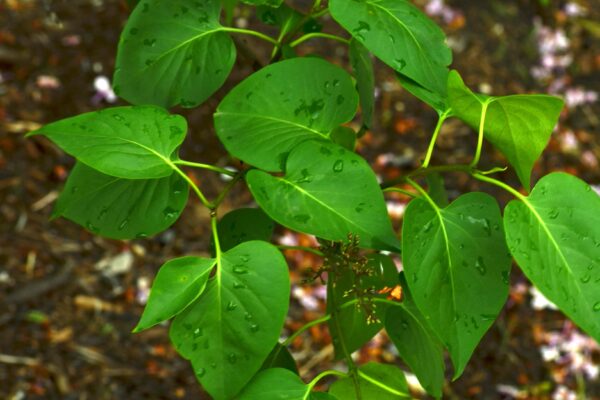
400 35
173 52
457 267
518 125
121 208
376 381
352 327
263 118
127 142
178 283
329 192
228 332
280 357
275 384
554 234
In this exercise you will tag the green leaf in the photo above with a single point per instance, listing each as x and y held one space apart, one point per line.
416 343
263 118
275 384
243 225
229 331
518 125
328 192
121 208
400 35
436 100
280 357
349 326
344 136
269 3
457 267
376 381
229 8
178 283
554 235
173 52
126 142
362 65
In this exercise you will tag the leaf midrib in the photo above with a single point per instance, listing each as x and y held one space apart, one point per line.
271 118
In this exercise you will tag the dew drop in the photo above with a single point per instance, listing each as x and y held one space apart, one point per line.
248 316
150 42
240 269
586 278
231 306
302 218
118 117
200 372
400 64
169 213
239 285
480 266
197 333
338 166
553 214
597 306
232 358
404 324
428 227
254 327
306 177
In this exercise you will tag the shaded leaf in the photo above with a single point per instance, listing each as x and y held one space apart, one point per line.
280 357
121 208
362 65
242 225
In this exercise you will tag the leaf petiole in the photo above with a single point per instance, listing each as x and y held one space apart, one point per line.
436 132
484 107
209 167
251 33
313 35
322 375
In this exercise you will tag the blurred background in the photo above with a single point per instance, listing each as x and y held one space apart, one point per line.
68 299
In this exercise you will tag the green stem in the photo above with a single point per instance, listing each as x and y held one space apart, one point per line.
500 184
227 189
251 33
436 132
322 375
205 166
194 187
398 190
320 13
305 327
313 35
303 248
484 107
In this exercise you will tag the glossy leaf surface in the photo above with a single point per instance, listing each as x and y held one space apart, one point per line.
554 235
121 208
417 345
230 330
457 267
173 52
178 283
263 118
376 381
400 35
518 125
126 142
329 192
349 327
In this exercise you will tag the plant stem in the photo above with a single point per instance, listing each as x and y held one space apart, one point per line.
227 189
313 35
484 107
500 184
302 248
398 190
205 166
305 327
195 188
436 132
251 33
322 375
